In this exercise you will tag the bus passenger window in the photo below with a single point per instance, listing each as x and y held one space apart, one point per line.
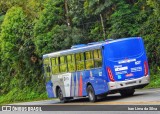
89 60
80 61
71 63
46 68
97 58
63 65
55 65
100 54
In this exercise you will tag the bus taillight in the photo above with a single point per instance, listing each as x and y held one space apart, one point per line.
110 74
145 68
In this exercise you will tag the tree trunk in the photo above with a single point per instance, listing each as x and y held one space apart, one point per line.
66 11
102 23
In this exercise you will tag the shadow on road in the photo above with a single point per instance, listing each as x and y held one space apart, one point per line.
112 97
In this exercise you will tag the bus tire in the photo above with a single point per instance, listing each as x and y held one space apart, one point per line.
91 94
127 92
60 96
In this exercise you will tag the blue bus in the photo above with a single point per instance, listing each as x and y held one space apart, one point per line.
98 68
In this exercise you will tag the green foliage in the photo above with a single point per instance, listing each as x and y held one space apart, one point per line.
152 41
76 11
12 33
96 7
60 37
26 94
20 66
123 20
154 79
155 4
51 15
31 28
31 7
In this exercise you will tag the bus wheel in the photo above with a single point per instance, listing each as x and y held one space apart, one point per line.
60 96
127 92
91 94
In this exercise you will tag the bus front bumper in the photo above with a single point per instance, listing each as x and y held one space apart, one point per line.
135 83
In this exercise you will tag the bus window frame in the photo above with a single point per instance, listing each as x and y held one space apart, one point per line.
74 60
80 60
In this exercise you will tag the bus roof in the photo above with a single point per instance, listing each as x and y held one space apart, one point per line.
74 50
83 48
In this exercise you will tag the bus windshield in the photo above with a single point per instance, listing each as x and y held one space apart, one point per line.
123 49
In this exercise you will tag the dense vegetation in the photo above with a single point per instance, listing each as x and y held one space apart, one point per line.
31 28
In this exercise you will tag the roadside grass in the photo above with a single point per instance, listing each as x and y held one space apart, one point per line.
154 81
22 96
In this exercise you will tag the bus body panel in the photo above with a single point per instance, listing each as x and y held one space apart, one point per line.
75 84
98 81
49 88
125 58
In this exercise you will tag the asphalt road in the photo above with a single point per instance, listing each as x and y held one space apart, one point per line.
141 97
112 104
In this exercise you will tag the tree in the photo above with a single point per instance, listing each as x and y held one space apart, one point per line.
51 16
123 21
155 4
20 66
12 33
67 12
100 8
150 31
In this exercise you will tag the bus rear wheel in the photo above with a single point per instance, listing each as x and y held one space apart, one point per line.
60 96
91 94
127 92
